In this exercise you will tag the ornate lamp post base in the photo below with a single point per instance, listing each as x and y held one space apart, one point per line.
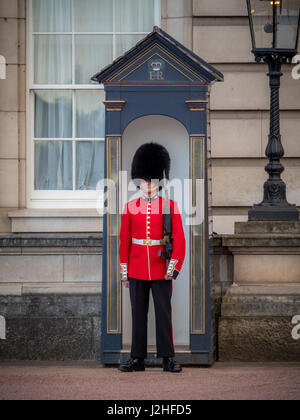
264 212
274 205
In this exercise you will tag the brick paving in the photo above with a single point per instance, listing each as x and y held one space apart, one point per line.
91 381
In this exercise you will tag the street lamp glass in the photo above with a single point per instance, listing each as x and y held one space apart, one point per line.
274 23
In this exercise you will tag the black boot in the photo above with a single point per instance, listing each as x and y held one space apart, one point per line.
132 365
170 365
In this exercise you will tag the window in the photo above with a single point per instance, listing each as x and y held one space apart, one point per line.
69 41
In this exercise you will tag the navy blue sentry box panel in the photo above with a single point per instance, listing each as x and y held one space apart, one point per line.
158 76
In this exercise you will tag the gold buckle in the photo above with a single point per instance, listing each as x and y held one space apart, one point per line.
147 242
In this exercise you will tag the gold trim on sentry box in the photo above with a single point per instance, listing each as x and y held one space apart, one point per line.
148 51
193 289
197 105
110 260
114 105
154 84
149 58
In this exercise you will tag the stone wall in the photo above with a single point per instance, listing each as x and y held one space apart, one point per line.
12 109
50 296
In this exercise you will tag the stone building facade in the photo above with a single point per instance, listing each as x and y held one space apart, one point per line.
50 256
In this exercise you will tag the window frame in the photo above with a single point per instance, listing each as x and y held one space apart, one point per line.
60 198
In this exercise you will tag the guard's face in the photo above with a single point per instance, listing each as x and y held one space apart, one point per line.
149 187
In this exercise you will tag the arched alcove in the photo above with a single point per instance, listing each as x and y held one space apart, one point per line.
173 135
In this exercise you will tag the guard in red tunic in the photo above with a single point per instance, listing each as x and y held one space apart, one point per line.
144 262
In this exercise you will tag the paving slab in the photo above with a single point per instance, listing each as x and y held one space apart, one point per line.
92 381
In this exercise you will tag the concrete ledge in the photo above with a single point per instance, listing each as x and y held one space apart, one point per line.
51 220
264 300
51 240
261 240
268 228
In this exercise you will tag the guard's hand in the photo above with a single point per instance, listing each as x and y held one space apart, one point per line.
168 277
126 284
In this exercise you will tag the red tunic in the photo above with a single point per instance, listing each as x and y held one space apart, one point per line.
143 219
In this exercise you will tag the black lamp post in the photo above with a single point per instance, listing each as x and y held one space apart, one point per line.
274 29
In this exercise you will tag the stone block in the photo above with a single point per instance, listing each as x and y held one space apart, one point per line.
217 8
68 289
260 227
9 8
10 290
223 44
52 220
82 268
245 89
22 134
22 183
277 300
237 183
51 306
236 135
225 224
5 223
22 41
9 185
9 90
31 268
22 9
50 339
51 327
9 135
257 339
181 29
177 8
291 177
9 40
22 88
267 268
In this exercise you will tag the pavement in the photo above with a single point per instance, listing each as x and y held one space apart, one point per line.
92 381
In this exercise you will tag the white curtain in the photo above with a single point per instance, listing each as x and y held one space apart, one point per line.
52 16
92 52
90 113
126 42
93 15
52 59
53 114
53 165
52 53
89 164
134 15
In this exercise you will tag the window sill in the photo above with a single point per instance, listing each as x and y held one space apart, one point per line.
56 220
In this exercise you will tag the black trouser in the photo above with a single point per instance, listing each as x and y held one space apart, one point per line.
139 296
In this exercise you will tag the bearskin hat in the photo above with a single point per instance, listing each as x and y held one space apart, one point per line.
149 162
